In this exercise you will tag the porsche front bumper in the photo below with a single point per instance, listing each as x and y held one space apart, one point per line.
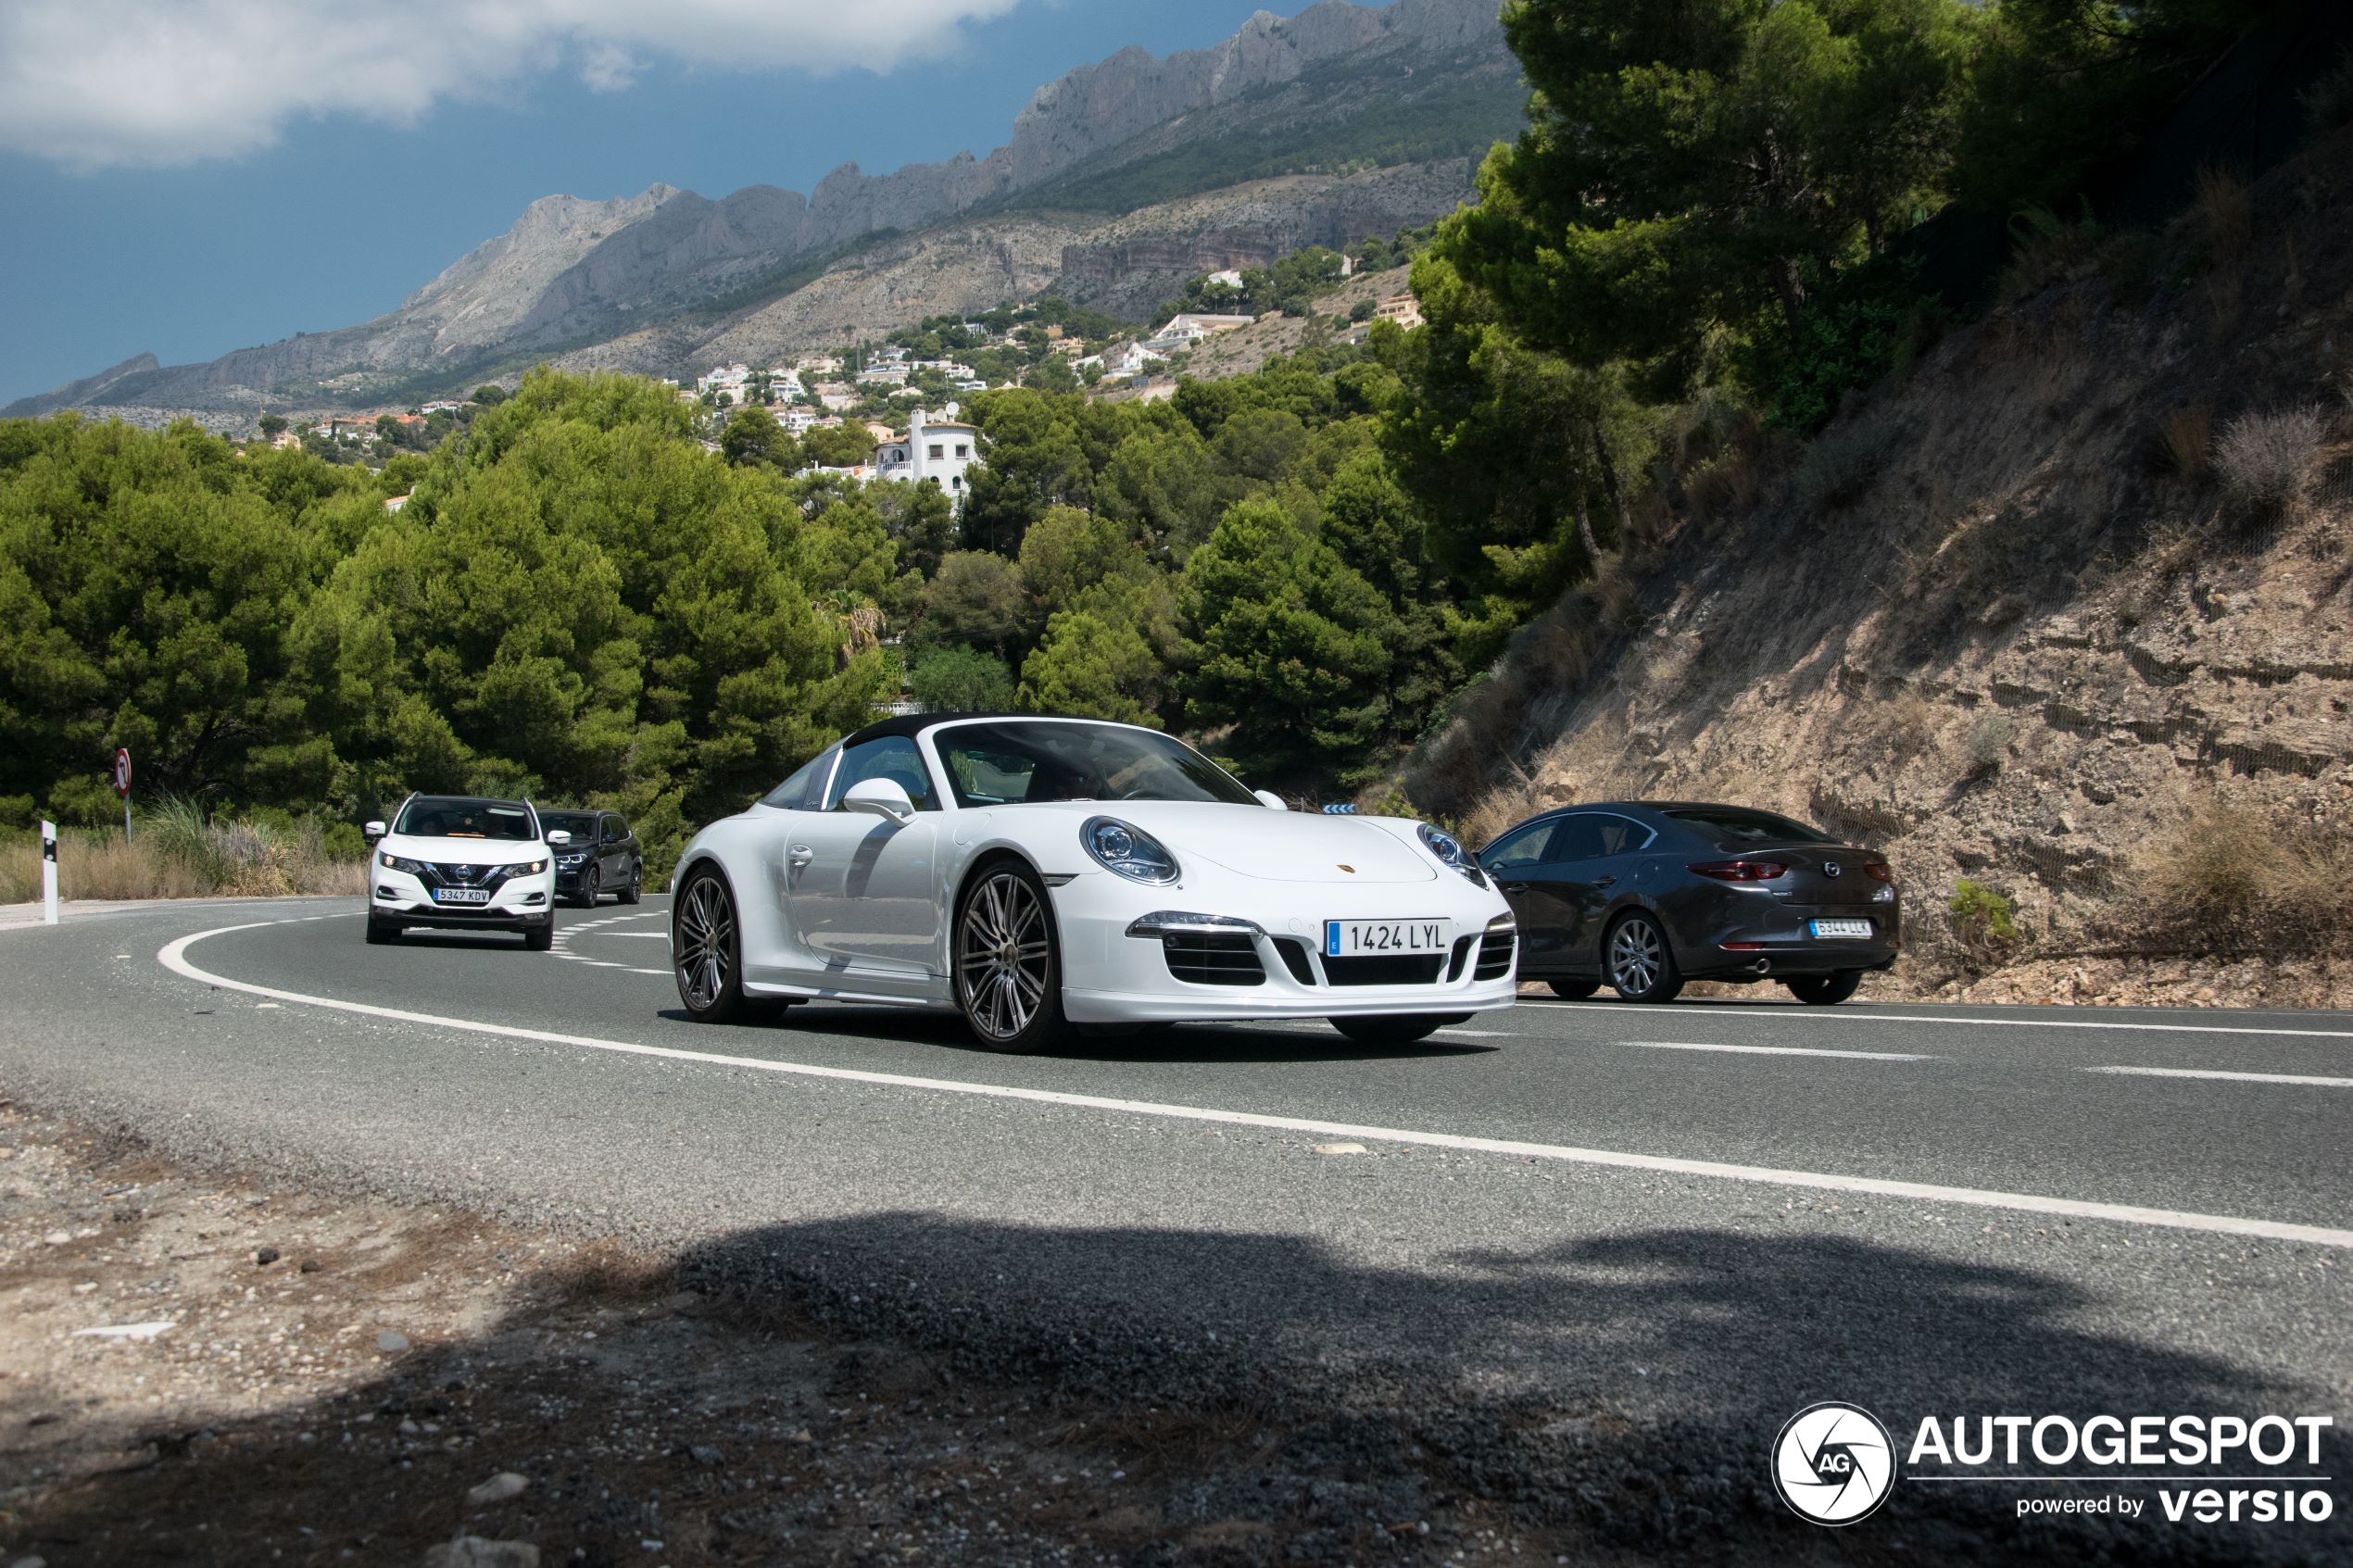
1136 954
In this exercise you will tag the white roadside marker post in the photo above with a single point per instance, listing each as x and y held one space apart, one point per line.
49 871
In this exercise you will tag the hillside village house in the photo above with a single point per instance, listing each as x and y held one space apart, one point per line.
729 379
939 446
1403 309
1187 328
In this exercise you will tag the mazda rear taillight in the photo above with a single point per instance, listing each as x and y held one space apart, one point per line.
1737 871
1879 870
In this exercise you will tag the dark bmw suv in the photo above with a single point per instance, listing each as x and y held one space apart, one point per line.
603 858
1647 895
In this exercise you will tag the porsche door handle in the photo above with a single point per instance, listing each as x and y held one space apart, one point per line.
800 855
1605 881
1514 888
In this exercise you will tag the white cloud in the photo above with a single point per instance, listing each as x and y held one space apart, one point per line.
93 84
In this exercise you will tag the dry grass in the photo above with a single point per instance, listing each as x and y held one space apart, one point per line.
1501 809
1989 743
2188 440
2223 209
172 858
2232 876
1844 463
2263 458
1909 723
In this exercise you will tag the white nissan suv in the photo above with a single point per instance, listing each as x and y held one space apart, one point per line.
463 864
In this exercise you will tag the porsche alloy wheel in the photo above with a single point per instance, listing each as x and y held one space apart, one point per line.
1008 975
704 950
1640 966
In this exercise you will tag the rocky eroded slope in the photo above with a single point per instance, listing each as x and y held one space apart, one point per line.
2066 610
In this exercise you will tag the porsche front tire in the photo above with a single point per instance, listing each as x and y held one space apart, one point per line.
706 949
1009 972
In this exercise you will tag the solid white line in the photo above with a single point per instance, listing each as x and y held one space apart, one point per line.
174 957
2232 1077
1776 1050
1835 1015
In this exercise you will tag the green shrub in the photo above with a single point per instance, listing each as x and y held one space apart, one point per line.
2328 103
1982 920
1860 324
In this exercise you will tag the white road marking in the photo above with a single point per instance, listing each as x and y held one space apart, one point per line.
2232 1077
174 957
1834 1015
1776 1050
640 935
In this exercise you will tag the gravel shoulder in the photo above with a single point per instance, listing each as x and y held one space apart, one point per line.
209 1368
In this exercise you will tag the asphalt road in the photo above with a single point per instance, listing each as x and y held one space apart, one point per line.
1595 1254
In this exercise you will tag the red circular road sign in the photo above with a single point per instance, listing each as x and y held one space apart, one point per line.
121 770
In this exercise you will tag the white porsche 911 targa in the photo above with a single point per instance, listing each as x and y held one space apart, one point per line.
1040 874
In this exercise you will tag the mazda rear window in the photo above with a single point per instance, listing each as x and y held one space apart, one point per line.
1737 824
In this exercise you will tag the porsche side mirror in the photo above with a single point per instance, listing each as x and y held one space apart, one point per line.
1272 801
557 836
881 797
373 832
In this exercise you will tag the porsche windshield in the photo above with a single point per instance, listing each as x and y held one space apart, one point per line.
1012 762
439 816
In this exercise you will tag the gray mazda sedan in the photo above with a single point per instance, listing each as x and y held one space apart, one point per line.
1647 895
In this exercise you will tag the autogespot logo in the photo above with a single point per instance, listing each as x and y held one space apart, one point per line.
1833 1463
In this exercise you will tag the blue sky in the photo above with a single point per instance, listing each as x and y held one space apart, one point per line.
345 214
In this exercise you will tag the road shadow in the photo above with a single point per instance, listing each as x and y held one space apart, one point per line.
447 941
1205 1043
1236 1399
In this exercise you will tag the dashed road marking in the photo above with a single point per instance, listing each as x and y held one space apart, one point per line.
1832 1015
1777 1050
2304 1079
174 957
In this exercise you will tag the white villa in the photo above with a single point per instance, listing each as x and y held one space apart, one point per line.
1187 328
936 446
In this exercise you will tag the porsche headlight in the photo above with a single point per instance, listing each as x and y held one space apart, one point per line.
395 863
1449 848
1128 850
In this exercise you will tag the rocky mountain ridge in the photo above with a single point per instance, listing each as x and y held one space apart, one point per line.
669 268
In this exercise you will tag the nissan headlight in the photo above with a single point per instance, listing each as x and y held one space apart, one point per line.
1449 848
1128 851
529 869
395 863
